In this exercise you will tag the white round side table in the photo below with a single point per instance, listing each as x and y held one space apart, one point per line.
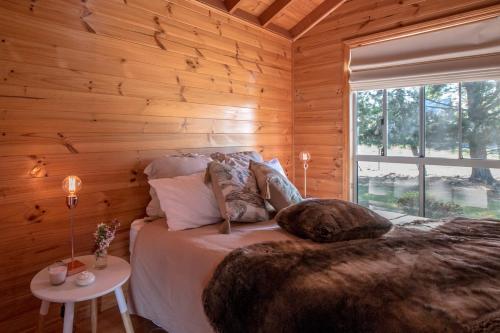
109 279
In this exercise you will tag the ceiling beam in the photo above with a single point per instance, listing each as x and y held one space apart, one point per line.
255 20
232 5
272 11
279 30
243 17
313 18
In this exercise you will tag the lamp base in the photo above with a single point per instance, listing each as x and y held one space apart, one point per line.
75 267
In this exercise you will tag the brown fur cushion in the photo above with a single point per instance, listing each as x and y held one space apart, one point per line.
331 220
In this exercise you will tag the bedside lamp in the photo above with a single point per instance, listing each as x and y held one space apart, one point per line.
71 186
305 157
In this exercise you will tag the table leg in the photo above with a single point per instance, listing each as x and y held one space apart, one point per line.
69 313
44 309
122 305
93 315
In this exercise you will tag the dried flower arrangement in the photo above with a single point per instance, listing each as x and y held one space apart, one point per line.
103 237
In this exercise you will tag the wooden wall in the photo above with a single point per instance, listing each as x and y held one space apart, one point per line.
98 88
319 85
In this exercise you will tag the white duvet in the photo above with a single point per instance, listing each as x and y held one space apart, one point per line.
170 269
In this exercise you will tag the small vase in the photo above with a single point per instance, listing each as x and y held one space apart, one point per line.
101 259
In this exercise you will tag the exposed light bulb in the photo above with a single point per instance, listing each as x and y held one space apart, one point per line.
72 185
304 156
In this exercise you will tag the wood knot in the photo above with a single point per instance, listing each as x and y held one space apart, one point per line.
36 215
193 64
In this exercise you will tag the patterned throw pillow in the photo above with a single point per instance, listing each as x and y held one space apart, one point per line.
236 192
241 159
274 186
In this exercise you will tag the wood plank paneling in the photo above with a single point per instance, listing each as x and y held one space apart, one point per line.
319 89
99 88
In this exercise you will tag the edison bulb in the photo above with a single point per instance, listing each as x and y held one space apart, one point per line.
304 156
72 185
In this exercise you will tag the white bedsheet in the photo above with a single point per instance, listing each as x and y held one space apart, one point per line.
171 268
135 227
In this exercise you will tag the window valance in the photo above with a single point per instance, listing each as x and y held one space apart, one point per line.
463 53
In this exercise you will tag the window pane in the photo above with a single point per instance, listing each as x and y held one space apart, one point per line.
388 186
403 121
441 120
451 192
481 119
369 114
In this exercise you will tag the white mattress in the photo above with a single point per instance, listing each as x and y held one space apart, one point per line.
135 227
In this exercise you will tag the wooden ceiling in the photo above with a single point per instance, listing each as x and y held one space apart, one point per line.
289 18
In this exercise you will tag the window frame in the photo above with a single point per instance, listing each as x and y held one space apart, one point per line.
421 161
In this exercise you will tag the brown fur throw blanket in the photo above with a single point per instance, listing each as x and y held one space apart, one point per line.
443 280
331 220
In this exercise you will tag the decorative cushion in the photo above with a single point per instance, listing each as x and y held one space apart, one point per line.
172 166
236 192
241 159
332 220
187 201
274 186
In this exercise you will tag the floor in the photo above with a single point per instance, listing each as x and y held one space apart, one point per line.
109 322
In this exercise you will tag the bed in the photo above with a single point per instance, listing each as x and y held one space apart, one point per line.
351 270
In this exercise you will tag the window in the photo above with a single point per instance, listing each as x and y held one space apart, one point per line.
430 150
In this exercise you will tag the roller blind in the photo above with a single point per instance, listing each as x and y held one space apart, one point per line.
463 53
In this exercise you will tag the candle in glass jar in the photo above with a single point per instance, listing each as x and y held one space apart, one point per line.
57 273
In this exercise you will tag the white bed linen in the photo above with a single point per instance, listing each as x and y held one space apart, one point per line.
170 269
135 227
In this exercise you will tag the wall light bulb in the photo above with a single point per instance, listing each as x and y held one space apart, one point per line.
72 185
304 156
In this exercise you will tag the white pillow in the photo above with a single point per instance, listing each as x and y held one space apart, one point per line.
276 165
187 201
172 166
